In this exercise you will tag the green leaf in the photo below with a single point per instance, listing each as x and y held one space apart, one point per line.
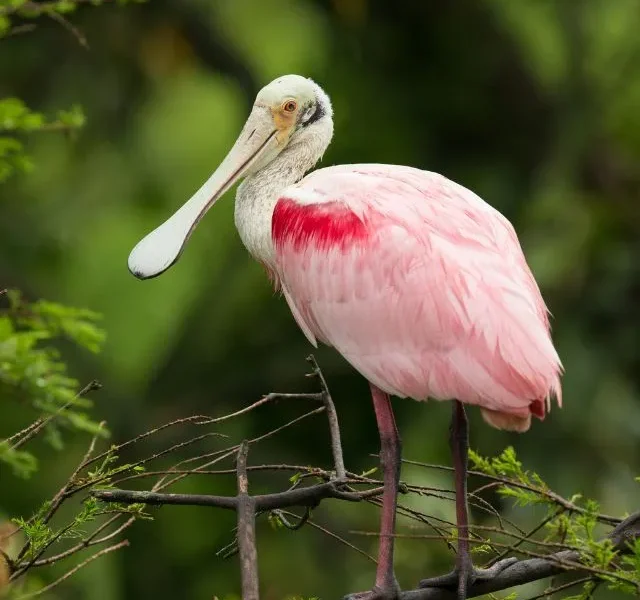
33 371
5 25
23 464
73 117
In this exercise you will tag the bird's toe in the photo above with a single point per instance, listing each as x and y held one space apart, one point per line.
494 570
474 575
375 594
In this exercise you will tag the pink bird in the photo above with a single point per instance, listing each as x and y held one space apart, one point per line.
415 280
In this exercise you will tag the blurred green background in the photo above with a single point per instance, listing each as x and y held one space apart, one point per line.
533 104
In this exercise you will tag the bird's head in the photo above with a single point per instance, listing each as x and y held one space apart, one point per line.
291 111
294 108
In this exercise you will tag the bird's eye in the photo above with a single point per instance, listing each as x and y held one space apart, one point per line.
290 106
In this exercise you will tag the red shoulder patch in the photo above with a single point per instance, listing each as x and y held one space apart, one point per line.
321 226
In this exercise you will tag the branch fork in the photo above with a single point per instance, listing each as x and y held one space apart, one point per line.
247 506
507 573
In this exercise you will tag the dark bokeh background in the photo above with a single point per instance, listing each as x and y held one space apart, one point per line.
533 104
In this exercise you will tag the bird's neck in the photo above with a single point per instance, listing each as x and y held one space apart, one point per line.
259 192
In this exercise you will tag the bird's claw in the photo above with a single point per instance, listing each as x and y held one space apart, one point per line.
482 575
451 580
375 594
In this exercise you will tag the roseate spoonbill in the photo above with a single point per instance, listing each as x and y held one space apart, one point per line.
415 280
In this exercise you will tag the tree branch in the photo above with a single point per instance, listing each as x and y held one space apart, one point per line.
338 484
309 496
247 529
332 417
531 569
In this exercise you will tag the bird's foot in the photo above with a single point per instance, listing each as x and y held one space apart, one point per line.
464 576
386 592
377 593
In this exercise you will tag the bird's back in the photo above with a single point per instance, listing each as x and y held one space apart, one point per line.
420 284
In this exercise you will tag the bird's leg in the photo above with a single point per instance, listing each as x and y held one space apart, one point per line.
386 587
459 441
390 451
464 574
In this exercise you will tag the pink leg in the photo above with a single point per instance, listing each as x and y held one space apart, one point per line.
465 574
459 440
386 587
390 450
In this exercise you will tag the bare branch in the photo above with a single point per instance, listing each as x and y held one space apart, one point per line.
533 569
337 538
559 588
526 537
509 482
332 417
90 540
59 498
29 432
309 496
75 569
247 529
538 559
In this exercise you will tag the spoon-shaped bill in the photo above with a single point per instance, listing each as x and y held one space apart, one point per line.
161 248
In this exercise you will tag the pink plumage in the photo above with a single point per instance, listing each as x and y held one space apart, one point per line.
420 285
415 280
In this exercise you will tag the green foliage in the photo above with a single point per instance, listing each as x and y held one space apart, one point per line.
77 324
38 533
508 116
531 488
17 119
101 475
12 157
23 463
25 9
574 523
32 371
45 539
40 536
482 549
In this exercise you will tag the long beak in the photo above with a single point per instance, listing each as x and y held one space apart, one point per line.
156 252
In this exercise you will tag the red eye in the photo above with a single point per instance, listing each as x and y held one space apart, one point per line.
290 106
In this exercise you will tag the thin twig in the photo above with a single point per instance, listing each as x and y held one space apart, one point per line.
543 492
75 569
301 522
35 7
37 426
559 588
59 498
335 537
527 537
196 419
18 30
91 540
332 418
70 27
226 452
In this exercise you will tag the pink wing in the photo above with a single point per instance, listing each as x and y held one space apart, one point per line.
420 285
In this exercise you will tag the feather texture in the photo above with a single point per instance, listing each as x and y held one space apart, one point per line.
420 285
